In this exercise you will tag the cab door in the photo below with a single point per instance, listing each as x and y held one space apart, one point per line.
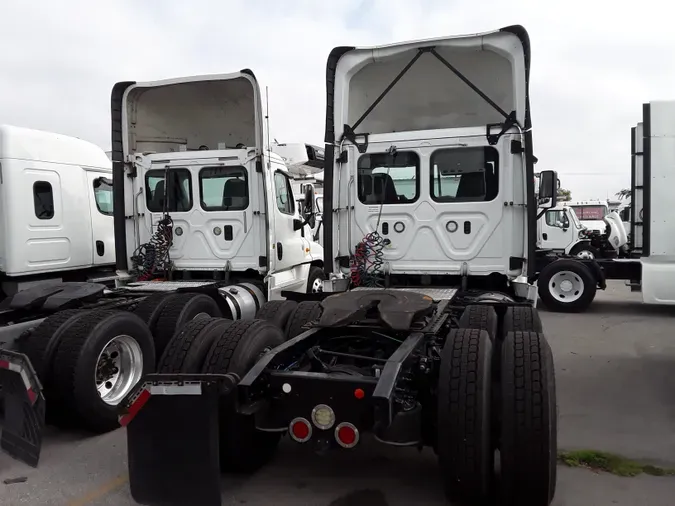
555 230
99 188
289 248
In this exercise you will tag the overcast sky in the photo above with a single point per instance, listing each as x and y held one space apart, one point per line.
594 63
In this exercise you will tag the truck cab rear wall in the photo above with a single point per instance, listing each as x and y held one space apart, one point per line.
356 116
198 110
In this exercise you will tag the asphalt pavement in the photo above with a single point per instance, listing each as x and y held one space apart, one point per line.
616 392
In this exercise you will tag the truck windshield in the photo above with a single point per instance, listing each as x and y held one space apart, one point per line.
103 195
573 216
590 212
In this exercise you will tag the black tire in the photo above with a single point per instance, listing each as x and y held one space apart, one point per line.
243 448
306 312
583 247
277 312
576 271
481 317
465 451
40 344
528 448
189 346
315 273
75 364
521 318
180 308
150 308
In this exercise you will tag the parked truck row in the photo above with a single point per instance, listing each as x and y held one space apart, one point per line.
414 322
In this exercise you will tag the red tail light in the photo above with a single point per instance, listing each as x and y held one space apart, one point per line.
300 430
346 435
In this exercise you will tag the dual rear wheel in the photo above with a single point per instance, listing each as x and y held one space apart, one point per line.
497 415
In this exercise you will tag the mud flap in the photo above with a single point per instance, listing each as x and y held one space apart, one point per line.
172 439
24 408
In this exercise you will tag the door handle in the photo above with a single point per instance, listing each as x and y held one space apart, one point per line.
280 251
100 248
545 236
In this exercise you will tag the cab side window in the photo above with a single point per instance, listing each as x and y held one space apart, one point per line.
557 219
43 200
103 196
284 193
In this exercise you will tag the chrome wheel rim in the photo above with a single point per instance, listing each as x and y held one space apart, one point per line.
566 286
317 285
586 254
118 368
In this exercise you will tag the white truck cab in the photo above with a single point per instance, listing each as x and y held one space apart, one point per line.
560 230
432 180
56 206
203 196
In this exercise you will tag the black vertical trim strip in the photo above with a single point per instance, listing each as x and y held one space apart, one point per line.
520 32
119 219
327 219
646 179
329 157
331 68
633 195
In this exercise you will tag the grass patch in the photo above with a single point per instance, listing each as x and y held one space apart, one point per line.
610 463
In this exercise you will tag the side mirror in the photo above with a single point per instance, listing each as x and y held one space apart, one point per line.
548 188
297 224
308 204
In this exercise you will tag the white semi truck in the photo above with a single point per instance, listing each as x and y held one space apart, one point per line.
426 334
56 208
205 225
571 284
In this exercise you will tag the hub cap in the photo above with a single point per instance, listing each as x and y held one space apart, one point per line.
118 368
586 254
317 285
566 286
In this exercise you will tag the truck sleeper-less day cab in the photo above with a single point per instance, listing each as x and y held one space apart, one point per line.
570 284
206 225
56 207
426 334
559 231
